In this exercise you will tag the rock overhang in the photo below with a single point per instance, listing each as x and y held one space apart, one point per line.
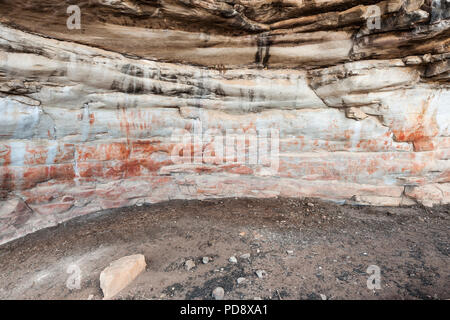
91 119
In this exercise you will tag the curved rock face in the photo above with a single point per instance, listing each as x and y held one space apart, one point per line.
109 103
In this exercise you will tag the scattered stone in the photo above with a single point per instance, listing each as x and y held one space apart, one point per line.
120 274
261 273
240 280
218 293
233 259
189 264
205 260
310 204
245 256
91 296
323 297
257 298
290 252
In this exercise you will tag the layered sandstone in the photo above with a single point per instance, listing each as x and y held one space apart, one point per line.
88 117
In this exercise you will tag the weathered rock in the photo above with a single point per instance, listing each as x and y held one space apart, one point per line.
232 259
189 264
245 256
240 280
261 273
89 118
120 274
14 213
355 113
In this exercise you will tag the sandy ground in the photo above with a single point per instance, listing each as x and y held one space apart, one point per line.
309 249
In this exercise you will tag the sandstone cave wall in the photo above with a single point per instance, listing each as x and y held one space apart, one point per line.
87 116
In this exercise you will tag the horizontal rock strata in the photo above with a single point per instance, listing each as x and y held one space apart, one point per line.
88 116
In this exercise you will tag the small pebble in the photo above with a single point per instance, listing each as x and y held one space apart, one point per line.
218 293
205 260
261 273
189 264
245 256
240 280
290 252
233 259
323 297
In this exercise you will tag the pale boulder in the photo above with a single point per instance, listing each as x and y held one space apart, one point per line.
120 274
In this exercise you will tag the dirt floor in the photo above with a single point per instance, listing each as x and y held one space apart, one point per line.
309 250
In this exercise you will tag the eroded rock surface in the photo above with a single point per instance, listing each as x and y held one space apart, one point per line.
88 117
